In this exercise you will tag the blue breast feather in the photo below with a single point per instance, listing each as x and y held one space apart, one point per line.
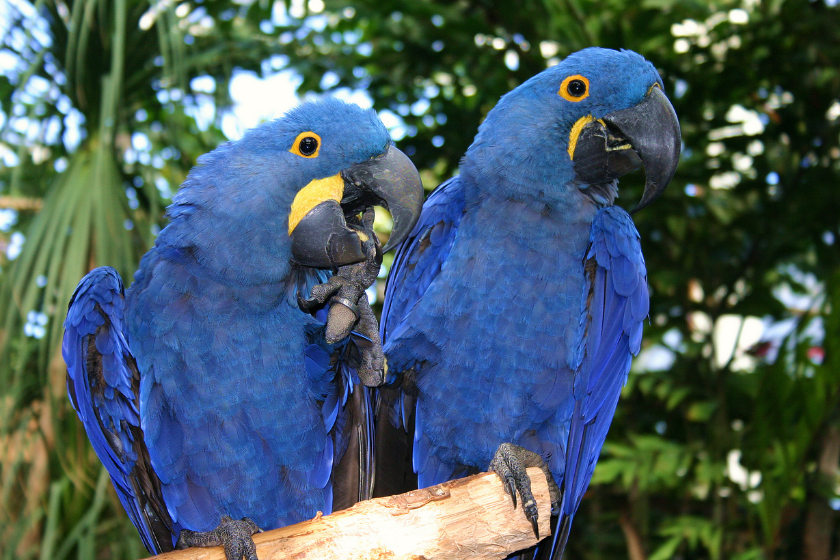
228 424
613 306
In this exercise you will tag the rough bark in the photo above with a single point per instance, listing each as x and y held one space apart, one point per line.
820 518
635 550
470 518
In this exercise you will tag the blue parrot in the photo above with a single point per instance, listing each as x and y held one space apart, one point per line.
211 389
515 305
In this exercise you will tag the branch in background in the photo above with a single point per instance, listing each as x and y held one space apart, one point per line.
635 550
467 519
820 519
21 203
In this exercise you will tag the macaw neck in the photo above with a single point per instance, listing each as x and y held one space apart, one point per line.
499 210
251 251
182 274
490 172
261 287
532 174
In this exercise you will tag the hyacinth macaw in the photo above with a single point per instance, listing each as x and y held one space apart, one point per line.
515 305
205 389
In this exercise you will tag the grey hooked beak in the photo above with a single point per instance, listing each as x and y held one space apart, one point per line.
322 238
647 134
392 181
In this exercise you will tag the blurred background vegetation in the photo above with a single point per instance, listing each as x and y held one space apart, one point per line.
727 440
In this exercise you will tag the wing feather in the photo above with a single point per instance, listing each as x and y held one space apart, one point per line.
103 385
346 466
419 259
417 263
615 302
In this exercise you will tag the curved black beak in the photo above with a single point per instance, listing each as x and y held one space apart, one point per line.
321 236
321 239
647 134
392 181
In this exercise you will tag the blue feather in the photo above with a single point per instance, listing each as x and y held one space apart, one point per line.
517 302
204 389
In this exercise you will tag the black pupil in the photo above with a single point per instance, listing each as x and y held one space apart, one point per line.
576 88
308 146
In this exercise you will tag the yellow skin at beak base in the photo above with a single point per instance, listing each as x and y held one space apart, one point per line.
577 128
313 194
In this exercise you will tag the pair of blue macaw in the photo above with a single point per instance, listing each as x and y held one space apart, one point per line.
222 391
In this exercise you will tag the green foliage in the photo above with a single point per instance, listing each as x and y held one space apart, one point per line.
116 68
752 206
716 454
695 532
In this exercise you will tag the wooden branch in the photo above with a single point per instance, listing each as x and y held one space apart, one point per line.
21 203
467 519
635 550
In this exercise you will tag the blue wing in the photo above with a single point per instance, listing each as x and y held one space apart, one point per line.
417 263
420 258
103 386
347 412
615 303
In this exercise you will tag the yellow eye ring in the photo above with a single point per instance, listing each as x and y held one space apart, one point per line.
574 88
307 144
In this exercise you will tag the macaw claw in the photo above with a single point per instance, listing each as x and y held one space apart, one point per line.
509 463
349 309
234 535
343 292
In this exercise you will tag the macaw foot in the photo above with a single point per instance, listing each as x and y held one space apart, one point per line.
509 463
234 535
371 367
349 309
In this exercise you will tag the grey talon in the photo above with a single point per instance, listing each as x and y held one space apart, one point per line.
510 463
234 535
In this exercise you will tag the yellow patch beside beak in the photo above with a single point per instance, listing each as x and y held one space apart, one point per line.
313 194
577 128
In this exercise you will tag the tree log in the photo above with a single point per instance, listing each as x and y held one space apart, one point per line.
21 203
471 518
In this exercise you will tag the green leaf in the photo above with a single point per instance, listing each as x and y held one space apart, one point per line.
701 411
667 550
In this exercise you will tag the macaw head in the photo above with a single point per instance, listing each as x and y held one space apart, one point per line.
349 163
283 193
586 121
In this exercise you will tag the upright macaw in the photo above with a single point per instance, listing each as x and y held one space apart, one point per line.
514 307
206 389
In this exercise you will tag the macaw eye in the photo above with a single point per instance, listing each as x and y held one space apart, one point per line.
574 88
306 145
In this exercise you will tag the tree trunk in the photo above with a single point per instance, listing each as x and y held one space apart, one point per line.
635 550
820 519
